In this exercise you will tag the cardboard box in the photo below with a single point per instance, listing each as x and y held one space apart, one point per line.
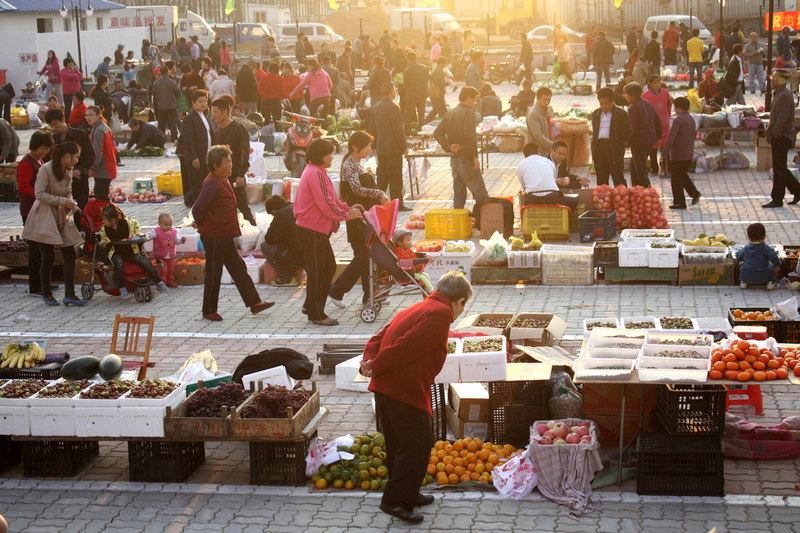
468 323
462 428
438 266
608 428
470 401
537 336
706 275
602 399
492 219
341 264
83 271
763 154
193 274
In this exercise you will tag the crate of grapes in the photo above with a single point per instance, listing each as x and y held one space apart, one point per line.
204 415
274 413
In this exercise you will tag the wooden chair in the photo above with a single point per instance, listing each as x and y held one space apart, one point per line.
130 345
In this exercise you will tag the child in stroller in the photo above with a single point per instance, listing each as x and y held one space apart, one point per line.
404 250
116 227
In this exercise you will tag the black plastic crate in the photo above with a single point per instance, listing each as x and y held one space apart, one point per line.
514 407
10 453
333 354
164 462
773 326
438 406
692 409
279 463
790 263
47 371
597 226
55 458
790 332
606 254
671 465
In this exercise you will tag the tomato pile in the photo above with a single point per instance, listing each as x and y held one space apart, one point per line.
636 208
744 361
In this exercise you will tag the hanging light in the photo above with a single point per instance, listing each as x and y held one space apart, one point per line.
89 9
63 10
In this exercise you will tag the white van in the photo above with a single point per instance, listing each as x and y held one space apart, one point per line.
661 23
318 34
193 25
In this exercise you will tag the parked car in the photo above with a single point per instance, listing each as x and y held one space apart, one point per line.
543 35
317 34
661 23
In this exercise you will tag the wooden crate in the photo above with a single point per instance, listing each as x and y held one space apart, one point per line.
178 425
506 276
641 274
289 428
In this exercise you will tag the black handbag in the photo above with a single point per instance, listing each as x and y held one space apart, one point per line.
724 88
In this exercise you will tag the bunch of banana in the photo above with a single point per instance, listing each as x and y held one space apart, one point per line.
21 355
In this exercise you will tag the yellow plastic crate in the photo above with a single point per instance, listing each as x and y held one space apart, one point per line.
448 224
170 183
548 221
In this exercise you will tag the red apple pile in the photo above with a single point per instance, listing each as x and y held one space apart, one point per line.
146 197
559 433
646 210
116 195
415 222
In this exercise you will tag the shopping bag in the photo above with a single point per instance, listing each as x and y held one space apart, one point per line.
515 478
115 125
183 103
425 168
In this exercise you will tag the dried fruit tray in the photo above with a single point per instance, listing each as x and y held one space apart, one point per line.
650 350
610 353
587 322
599 369
618 333
616 343
704 255
662 325
668 370
625 321
648 235
678 339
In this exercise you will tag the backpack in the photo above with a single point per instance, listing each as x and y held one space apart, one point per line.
297 365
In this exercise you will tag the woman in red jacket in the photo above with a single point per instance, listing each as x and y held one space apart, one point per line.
52 69
71 78
27 169
403 361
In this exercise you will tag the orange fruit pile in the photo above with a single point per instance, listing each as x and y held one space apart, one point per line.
190 261
744 361
752 315
465 460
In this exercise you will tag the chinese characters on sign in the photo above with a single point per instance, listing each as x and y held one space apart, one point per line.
781 19
29 59
137 21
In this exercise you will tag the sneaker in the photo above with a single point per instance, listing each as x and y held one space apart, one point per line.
123 292
338 303
771 286
744 285
162 286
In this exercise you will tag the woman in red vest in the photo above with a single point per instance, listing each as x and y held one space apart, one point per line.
217 222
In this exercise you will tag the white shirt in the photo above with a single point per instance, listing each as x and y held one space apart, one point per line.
195 50
208 128
741 68
605 126
537 175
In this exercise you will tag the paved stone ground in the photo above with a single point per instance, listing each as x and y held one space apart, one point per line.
762 495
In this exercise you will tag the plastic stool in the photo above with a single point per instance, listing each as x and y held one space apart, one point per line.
753 397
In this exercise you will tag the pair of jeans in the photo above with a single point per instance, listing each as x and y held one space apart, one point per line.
602 70
783 178
55 88
47 252
605 165
168 118
639 166
681 181
390 175
221 252
358 267
695 68
320 266
137 259
466 177
756 72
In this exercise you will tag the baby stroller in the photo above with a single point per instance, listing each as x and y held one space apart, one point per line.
37 92
386 271
137 280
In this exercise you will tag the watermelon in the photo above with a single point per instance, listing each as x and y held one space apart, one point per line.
110 367
80 368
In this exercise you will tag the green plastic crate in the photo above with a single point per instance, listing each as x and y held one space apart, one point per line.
221 377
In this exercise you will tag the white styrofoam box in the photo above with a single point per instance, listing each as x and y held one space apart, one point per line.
192 240
141 421
484 366
693 329
614 343
632 254
15 420
704 255
663 369
52 421
91 402
346 372
254 269
618 333
272 376
97 421
717 323
173 399
649 350
587 321
599 369
632 319
440 265
524 259
665 338
663 257
648 235
226 278
451 371
471 252
610 353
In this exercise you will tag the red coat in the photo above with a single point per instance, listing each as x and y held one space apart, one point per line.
410 351
270 87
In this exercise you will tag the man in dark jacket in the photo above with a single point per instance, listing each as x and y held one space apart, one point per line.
526 56
632 40
652 53
456 134
144 134
415 79
645 132
196 140
603 52
63 133
280 246
734 76
235 135
780 135
213 52
680 151
300 49
390 143
165 99
619 90
333 74
247 86
611 130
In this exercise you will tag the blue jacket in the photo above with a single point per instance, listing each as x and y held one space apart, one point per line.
759 260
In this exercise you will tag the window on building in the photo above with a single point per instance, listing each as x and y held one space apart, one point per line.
67 24
99 23
84 24
44 25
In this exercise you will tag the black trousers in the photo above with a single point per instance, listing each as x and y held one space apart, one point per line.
654 161
101 186
439 108
34 264
221 252
47 252
414 112
681 181
67 106
80 190
138 259
195 178
605 165
271 110
320 266
551 199
783 178
325 102
242 205
358 267
409 437
670 56
168 118
602 70
390 174
639 166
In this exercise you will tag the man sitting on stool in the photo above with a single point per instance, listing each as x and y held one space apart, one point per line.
538 177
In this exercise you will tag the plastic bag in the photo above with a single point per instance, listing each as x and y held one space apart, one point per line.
327 453
700 161
732 161
371 165
115 125
257 173
515 478
787 310
414 169
695 104
205 357
278 138
495 251
249 237
425 168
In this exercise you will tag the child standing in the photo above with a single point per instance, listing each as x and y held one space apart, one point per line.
404 249
164 238
116 227
759 260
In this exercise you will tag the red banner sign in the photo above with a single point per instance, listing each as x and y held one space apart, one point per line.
781 19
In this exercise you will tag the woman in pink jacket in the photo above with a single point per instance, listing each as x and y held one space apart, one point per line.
71 78
318 212
52 69
225 57
662 102
319 88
